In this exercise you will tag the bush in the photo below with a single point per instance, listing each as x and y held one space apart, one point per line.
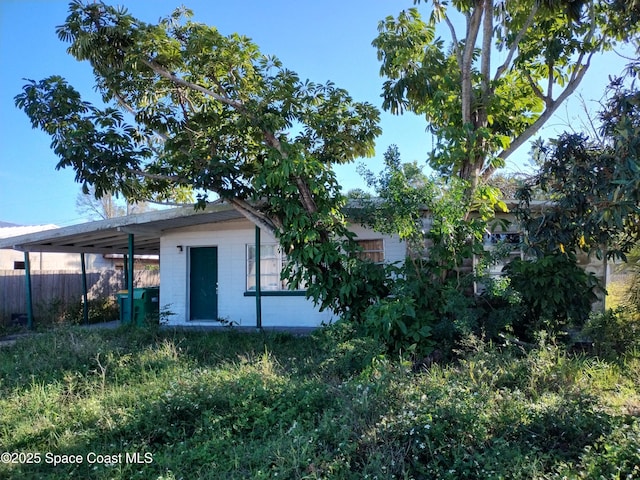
99 310
398 324
613 333
615 455
555 292
422 312
500 306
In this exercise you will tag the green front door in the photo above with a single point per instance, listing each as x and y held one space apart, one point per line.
203 283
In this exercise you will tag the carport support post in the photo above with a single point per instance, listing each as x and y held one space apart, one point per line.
27 272
85 304
130 278
258 287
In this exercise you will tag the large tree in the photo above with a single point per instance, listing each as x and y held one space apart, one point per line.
190 107
481 110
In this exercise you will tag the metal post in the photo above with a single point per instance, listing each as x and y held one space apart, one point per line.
85 296
130 278
125 270
27 271
258 287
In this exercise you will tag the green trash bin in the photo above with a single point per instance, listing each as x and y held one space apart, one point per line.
146 305
150 305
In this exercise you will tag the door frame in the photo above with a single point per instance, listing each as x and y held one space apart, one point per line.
188 282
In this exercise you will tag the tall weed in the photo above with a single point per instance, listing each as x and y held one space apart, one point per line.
332 405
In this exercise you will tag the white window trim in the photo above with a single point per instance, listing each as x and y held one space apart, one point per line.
280 258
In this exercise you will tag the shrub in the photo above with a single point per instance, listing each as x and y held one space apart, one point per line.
554 292
615 455
500 308
398 324
613 333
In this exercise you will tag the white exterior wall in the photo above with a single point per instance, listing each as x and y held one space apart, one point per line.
394 249
231 239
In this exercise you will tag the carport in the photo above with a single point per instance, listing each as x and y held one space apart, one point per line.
131 235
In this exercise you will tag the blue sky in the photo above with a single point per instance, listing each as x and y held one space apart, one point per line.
320 40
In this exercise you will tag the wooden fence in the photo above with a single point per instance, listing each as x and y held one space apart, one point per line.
53 288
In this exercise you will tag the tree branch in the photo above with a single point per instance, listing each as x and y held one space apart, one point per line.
485 67
550 65
251 213
473 26
163 72
454 38
157 176
130 109
552 106
306 197
537 90
502 68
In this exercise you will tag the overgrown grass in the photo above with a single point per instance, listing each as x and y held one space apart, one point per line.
236 405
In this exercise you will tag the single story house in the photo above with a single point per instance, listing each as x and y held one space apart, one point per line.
209 265
212 260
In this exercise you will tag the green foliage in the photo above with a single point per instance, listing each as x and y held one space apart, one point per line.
500 308
555 292
426 302
214 116
594 208
57 312
594 186
240 405
398 325
613 333
480 111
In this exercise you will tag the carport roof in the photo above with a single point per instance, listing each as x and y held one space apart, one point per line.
112 235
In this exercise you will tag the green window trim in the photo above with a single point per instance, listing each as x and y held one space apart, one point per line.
277 293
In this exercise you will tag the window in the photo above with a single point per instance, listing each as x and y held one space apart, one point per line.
507 246
372 250
272 262
18 265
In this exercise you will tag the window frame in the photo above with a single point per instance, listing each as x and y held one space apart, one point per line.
280 259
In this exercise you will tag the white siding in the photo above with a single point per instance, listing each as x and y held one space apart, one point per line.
231 239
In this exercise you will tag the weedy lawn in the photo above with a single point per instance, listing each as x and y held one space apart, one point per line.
135 404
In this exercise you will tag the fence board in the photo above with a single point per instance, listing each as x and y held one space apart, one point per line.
49 287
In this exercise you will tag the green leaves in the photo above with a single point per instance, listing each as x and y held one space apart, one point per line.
594 186
211 114
102 149
480 111
554 291
396 323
